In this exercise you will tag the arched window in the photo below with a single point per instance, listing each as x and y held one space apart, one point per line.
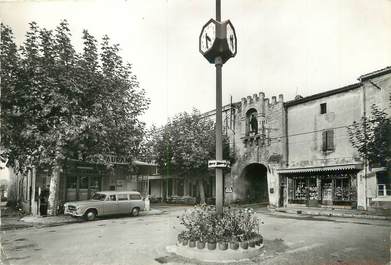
251 122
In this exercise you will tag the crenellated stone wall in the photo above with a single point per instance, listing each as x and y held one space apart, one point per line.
265 147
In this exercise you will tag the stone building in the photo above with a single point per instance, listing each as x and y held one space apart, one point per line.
298 152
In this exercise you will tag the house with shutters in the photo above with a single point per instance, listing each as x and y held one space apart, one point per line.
298 153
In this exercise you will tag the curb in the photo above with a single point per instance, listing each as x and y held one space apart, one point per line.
330 214
221 256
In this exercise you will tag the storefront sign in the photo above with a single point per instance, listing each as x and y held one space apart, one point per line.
116 159
228 189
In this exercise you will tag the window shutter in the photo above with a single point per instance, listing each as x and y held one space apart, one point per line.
330 140
324 141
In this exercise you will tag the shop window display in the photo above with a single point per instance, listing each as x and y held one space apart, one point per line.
342 190
300 189
312 189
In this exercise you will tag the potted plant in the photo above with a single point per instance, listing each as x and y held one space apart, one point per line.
180 239
223 245
251 243
200 244
244 244
192 243
234 244
211 245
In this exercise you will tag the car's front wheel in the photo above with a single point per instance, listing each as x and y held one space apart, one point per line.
135 211
90 215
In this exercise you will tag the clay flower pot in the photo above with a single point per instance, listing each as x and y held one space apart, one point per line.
257 240
192 244
211 245
223 245
179 241
184 242
244 244
234 245
200 244
251 242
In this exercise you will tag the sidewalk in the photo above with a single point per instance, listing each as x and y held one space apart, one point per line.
332 212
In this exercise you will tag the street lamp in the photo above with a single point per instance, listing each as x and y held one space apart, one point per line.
217 43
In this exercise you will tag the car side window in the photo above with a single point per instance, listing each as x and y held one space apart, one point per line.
122 197
112 198
134 196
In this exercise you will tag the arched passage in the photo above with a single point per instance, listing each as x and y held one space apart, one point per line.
254 177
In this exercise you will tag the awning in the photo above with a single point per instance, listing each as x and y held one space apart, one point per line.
162 177
141 163
320 169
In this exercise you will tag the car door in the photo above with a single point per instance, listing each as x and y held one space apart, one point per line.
136 201
123 203
111 204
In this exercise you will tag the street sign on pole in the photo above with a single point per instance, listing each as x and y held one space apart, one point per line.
217 43
219 164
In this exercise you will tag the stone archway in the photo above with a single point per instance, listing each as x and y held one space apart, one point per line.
254 177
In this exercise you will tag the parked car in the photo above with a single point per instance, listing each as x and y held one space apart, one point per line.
106 203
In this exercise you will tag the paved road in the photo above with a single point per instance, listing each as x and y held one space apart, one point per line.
142 240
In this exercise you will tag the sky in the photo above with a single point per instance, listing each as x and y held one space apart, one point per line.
287 47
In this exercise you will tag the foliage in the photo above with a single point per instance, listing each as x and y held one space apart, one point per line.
202 223
371 136
58 103
185 144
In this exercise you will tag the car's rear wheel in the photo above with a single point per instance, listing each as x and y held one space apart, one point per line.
90 215
135 211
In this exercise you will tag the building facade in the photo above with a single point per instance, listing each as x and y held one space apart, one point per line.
298 152
78 180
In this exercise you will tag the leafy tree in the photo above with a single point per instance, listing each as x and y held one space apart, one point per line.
61 104
184 146
371 136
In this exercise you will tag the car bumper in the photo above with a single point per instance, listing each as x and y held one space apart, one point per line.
73 213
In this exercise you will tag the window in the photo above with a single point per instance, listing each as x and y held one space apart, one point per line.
134 197
328 140
383 184
112 198
99 197
323 108
122 197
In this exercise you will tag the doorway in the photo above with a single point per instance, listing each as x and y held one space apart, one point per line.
254 178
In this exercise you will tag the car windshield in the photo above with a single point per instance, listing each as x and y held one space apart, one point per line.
98 197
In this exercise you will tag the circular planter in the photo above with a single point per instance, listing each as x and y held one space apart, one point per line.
200 244
184 242
223 245
192 244
244 244
251 243
211 245
234 245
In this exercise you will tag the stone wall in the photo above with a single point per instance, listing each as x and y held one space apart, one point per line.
265 147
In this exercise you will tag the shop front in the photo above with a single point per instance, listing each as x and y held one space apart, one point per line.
322 188
82 180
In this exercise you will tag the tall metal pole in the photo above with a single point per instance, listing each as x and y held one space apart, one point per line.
219 144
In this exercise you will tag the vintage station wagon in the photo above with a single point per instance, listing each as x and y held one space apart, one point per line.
106 203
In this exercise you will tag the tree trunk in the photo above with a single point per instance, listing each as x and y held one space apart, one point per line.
54 185
201 190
